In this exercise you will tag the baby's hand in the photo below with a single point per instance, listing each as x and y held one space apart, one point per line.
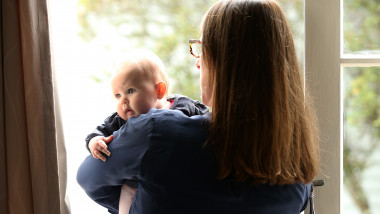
97 145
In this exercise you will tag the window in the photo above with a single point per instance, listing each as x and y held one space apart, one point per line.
361 102
342 71
88 38
336 40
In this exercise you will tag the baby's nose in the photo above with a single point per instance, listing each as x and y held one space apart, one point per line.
198 64
124 106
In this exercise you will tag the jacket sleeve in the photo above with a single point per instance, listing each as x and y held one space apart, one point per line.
188 106
102 180
111 124
200 108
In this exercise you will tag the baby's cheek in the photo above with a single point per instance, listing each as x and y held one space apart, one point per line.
120 112
147 107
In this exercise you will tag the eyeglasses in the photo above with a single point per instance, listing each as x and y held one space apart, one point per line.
195 47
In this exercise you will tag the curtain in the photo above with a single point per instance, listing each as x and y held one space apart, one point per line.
32 152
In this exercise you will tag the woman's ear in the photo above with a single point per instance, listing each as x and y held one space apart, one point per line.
161 90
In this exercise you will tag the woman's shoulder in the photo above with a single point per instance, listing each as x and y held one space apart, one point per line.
164 120
168 116
171 123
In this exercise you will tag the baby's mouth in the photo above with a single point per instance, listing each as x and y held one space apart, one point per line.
125 108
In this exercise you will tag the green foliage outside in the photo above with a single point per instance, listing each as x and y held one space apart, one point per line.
362 98
165 26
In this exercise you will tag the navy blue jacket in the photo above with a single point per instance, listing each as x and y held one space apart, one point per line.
179 102
165 151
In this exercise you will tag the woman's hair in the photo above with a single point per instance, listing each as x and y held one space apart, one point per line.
263 126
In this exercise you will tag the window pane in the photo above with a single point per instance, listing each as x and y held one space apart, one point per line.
361 148
164 27
107 29
361 23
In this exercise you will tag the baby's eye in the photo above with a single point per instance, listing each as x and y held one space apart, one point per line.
117 96
131 90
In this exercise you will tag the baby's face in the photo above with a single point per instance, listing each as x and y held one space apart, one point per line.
134 92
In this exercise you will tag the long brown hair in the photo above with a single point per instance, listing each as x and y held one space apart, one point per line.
263 126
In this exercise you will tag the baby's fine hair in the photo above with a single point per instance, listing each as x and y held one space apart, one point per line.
146 61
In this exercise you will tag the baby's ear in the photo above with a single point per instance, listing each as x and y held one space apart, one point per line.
161 90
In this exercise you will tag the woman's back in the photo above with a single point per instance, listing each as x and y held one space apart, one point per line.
179 175
165 151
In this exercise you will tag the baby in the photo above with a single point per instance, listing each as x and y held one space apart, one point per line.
139 84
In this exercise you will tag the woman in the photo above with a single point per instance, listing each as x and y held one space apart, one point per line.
255 153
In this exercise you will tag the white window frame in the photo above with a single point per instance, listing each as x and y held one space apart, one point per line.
324 60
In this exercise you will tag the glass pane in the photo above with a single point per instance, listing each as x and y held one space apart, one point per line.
361 148
163 26
361 23
99 32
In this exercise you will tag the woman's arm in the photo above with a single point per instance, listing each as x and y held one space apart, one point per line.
102 180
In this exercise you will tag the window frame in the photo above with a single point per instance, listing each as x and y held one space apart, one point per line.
324 63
